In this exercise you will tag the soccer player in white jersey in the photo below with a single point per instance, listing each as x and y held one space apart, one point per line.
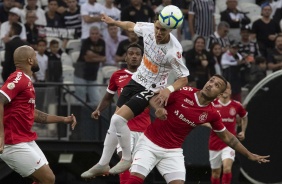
161 143
162 53
220 153
118 80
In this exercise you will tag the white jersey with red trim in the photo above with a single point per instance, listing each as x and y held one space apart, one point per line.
117 81
184 114
158 59
228 113
19 112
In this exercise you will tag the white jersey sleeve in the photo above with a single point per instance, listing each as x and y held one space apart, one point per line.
141 27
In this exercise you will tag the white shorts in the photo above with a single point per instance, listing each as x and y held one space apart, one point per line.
168 161
134 137
216 157
24 158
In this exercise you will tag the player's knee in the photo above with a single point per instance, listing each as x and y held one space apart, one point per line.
216 173
227 169
117 119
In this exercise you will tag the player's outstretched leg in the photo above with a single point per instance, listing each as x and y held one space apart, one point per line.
96 170
122 166
102 168
123 135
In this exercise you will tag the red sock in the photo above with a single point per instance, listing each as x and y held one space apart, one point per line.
123 177
215 180
226 178
134 180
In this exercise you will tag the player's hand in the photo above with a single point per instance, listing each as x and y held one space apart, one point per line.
71 120
161 113
259 159
241 136
162 97
95 114
105 18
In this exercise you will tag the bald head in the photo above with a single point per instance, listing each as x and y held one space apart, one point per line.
25 59
23 53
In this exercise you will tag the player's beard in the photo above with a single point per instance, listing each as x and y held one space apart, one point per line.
35 68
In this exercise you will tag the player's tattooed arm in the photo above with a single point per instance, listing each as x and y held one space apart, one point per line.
40 117
233 142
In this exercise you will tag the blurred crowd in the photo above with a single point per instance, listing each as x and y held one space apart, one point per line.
239 39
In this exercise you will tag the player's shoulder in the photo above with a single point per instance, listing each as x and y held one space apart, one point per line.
235 102
175 43
18 78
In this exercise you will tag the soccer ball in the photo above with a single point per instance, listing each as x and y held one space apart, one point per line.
171 17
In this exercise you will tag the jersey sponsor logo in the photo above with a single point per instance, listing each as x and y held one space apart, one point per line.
123 76
182 105
190 102
228 120
150 66
181 117
11 85
232 111
19 76
141 78
178 54
203 117
121 80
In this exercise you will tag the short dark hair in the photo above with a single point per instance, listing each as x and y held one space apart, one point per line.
222 78
41 40
53 42
17 28
135 45
259 60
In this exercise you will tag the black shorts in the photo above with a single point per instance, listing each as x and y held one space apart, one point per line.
135 96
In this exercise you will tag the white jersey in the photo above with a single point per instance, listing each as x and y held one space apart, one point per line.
158 59
91 10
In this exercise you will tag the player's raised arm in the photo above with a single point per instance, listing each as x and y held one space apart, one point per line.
126 25
234 143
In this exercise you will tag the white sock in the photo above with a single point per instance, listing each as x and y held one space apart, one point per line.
110 145
123 135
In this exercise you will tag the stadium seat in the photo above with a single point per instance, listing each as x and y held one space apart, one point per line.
107 72
73 45
217 18
66 59
220 5
68 74
49 39
187 45
74 56
250 8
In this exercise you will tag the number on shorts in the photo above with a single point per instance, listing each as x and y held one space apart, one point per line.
147 94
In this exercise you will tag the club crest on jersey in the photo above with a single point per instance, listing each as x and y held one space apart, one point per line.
178 55
232 111
203 117
11 86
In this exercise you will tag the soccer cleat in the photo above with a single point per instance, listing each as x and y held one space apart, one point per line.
96 170
122 166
